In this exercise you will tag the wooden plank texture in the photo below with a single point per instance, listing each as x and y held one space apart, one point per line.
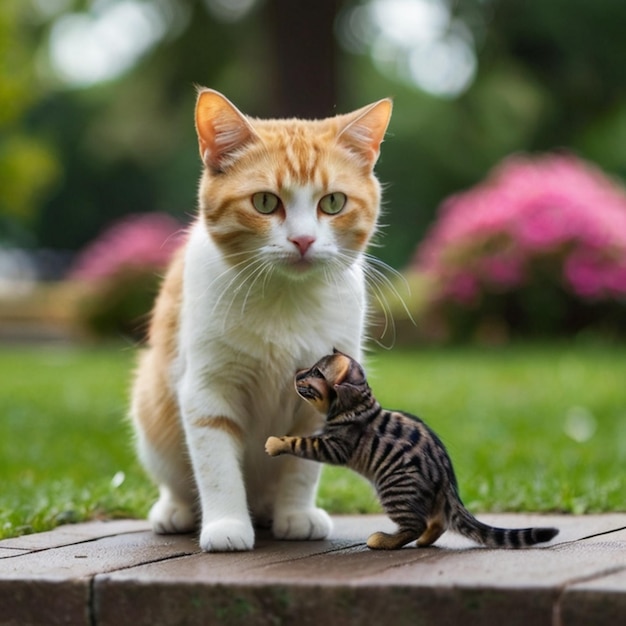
117 573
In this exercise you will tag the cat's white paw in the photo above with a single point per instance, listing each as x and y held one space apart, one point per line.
168 516
227 535
302 524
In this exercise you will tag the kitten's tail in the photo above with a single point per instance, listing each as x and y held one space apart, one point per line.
467 525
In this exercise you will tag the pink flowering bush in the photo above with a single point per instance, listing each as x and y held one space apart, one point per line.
139 241
121 271
539 247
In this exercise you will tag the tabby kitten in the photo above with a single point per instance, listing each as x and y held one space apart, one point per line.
272 277
400 454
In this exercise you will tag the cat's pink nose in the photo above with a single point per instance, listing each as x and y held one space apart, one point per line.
303 243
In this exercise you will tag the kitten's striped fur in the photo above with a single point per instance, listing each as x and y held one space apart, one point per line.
398 453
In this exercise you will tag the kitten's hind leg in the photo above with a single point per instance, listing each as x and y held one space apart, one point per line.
386 541
425 537
433 531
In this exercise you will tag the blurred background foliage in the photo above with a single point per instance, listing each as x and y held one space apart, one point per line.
97 97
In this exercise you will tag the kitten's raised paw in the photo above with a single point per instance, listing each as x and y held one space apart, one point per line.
169 516
227 535
296 525
274 446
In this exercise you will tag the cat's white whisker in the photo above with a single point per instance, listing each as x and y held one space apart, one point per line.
331 272
389 321
373 264
267 277
215 262
380 285
239 280
263 270
233 280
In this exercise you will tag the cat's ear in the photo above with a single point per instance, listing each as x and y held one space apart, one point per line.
363 130
222 129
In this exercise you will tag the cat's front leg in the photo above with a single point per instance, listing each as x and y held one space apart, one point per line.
295 514
215 439
216 447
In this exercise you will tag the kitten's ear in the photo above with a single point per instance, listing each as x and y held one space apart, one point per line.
347 395
222 129
363 130
344 369
355 374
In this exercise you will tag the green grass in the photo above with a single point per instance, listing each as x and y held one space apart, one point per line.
64 439
540 428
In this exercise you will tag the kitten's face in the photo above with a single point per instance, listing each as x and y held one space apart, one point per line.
291 194
335 381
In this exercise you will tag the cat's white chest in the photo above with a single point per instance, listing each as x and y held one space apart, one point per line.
241 340
264 316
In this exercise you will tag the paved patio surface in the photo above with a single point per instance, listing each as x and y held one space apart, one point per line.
117 573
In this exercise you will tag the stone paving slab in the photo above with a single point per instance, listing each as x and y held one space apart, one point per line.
117 573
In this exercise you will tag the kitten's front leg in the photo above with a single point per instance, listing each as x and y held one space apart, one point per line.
321 449
278 445
215 440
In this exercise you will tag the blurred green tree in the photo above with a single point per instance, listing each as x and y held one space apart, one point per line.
473 81
128 144
28 167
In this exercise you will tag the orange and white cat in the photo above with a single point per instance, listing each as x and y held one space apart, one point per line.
271 278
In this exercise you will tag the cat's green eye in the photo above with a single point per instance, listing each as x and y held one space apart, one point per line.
333 203
265 202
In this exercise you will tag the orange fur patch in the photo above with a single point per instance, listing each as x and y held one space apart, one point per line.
154 404
221 423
